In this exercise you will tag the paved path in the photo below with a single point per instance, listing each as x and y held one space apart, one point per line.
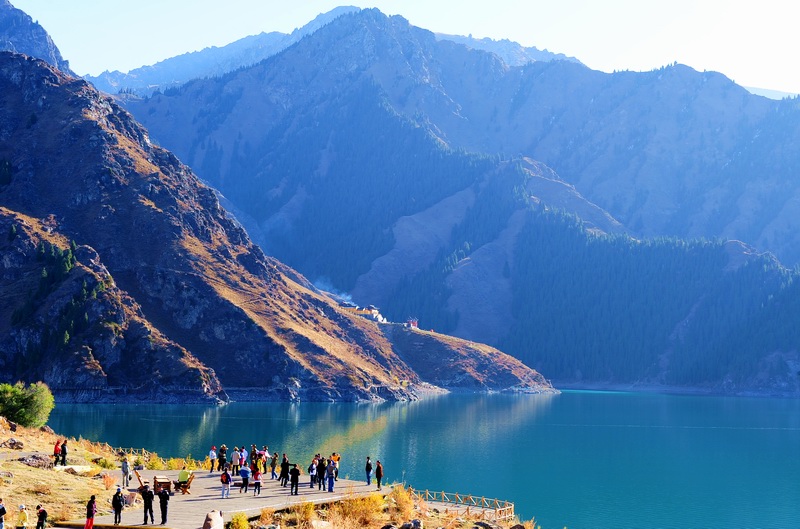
189 511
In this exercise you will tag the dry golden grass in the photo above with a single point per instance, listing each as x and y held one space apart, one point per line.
364 511
401 504
267 516
302 514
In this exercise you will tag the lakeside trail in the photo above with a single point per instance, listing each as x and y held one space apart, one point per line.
187 511
64 493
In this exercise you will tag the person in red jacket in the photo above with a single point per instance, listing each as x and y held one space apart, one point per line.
378 473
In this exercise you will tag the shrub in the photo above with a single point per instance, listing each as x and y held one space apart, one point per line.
29 406
239 521
402 503
362 512
303 514
108 480
154 462
106 464
267 516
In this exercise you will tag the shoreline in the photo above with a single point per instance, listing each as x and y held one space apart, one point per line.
671 390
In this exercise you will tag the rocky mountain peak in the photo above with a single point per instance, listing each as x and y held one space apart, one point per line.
19 33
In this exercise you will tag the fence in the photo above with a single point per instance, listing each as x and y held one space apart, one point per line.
476 507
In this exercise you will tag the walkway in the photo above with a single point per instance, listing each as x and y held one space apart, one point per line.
189 511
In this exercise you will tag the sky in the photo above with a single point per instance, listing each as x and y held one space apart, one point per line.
750 42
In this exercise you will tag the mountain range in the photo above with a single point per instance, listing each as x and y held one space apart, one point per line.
124 278
418 174
534 206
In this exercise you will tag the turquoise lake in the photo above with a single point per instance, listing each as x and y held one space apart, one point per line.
579 459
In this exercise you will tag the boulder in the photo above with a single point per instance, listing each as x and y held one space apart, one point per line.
214 520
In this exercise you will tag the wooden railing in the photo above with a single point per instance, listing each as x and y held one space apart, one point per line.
476 507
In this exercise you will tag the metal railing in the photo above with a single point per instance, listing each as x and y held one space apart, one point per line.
476 507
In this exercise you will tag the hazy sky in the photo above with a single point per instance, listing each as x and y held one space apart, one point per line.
753 43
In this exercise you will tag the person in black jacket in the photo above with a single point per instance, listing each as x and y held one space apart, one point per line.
64 453
41 517
147 499
294 476
284 477
163 500
117 502
321 473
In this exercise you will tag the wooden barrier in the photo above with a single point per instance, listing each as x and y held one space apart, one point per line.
484 508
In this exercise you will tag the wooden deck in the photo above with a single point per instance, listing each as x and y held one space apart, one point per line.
189 511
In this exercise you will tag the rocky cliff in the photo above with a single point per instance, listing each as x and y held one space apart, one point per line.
20 34
196 288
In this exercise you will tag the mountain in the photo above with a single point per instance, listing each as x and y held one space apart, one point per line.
20 34
210 62
512 53
115 257
373 157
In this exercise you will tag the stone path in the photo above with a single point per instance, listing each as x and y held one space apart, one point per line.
189 511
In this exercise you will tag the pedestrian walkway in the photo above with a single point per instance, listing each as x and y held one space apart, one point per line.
188 511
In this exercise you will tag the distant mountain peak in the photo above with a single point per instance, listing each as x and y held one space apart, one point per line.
512 53
20 34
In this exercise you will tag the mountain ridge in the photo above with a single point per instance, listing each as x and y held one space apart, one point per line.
80 161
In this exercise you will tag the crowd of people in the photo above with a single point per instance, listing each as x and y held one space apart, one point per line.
250 466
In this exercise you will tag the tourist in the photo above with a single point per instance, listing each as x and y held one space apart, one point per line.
163 501
22 518
273 463
222 457
56 452
265 458
244 473
64 453
294 476
235 460
2 514
147 499
284 477
330 473
183 476
225 479
91 510
41 517
321 466
336 458
126 472
253 455
257 481
212 455
368 470
312 471
117 502
378 473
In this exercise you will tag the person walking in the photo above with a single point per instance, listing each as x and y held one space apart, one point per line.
117 503
225 479
244 473
368 470
147 499
163 502
126 472
257 481
56 452
294 478
64 453
273 463
91 510
212 455
41 517
378 473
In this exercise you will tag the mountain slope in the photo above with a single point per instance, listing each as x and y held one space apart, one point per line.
72 156
512 53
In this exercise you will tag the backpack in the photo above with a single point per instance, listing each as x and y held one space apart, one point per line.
225 478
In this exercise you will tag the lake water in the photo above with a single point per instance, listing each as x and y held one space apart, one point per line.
579 459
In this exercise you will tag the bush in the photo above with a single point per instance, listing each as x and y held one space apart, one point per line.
402 503
303 513
155 463
361 512
239 521
29 406
106 464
